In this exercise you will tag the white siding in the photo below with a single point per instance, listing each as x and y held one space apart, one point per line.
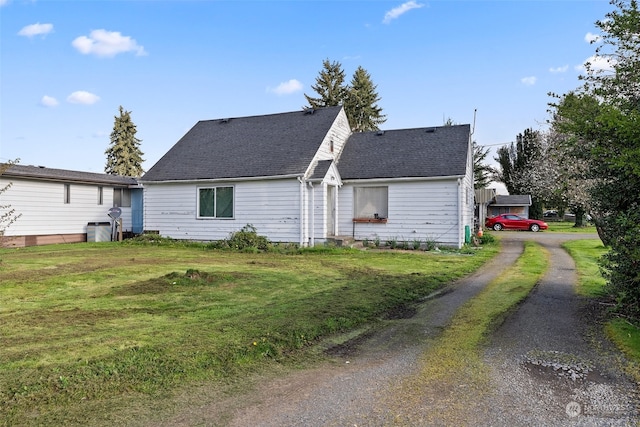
44 212
418 210
338 134
271 206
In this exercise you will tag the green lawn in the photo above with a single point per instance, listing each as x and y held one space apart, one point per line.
591 284
569 227
95 333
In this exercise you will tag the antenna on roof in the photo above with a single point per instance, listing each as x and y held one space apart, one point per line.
473 128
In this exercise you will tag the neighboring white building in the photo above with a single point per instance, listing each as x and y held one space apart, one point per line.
304 177
56 206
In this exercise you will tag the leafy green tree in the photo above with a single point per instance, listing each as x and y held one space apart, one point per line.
361 103
602 123
330 86
8 214
516 161
123 154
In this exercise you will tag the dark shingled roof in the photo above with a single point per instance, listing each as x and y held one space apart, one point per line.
62 175
423 152
321 169
257 146
512 200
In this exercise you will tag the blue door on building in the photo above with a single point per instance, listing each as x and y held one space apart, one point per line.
137 209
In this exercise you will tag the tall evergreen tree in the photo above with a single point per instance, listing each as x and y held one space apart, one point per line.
482 172
361 103
515 161
330 86
123 154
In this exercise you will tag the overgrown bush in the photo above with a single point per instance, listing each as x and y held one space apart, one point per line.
487 239
245 240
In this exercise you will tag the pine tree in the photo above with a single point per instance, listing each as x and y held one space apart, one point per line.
123 155
361 103
329 86
483 173
516 160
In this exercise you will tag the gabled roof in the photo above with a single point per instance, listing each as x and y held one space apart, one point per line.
63 175
512 200
422 152
256 146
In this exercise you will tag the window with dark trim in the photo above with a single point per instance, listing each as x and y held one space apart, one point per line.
215 202
67 194
371 203
122 197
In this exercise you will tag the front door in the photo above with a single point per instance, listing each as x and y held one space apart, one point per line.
331 210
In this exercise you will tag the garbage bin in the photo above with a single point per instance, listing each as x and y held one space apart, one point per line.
99 232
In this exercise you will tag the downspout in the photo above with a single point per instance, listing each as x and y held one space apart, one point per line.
312 237
460 225
302 211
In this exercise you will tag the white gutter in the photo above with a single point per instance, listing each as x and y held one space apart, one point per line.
230 179
403 179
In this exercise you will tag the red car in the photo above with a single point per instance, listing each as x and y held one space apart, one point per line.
514 222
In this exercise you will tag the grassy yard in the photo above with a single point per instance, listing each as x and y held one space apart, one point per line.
591 284
569 227
98 333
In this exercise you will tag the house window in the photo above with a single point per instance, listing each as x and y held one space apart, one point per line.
67 194
100 195
122 197
215 202
371 202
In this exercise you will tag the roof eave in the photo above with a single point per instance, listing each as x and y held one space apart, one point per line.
404 179
228 179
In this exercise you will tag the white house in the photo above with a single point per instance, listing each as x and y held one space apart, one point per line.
304 177
58 206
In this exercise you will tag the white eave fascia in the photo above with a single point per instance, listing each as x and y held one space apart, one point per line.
210 180
403 179
106 183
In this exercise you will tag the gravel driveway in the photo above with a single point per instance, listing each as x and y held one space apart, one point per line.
549 365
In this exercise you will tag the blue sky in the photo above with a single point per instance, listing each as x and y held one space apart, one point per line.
67 66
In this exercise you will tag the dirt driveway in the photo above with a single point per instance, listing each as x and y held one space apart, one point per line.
549 365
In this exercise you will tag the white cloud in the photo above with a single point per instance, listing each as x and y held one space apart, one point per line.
36 30
590 37
107 44
286 88
4 2
529 81
83 97
562 69
48 101
396 12
598 63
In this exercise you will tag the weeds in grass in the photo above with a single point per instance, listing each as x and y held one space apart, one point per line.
89 325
